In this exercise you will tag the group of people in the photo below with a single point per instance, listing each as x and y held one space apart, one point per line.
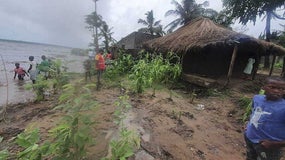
33 70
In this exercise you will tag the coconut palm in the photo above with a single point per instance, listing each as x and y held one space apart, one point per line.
106 34
153 27
94 21
187 11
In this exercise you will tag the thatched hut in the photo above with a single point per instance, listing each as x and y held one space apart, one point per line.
133 42
208 49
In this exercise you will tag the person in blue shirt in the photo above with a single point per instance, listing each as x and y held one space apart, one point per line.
265 132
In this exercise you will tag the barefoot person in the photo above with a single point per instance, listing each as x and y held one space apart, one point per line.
265 133
33 69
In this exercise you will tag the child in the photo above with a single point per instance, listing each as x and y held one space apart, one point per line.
20 71
248 69
32 69
265 133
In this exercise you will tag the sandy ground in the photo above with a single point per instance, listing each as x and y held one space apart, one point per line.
209 128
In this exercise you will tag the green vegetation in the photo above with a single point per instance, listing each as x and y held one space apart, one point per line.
3 153
153 70
245 104
57 77
128 140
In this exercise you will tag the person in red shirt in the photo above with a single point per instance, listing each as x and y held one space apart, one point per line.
20 72
108 58
99 65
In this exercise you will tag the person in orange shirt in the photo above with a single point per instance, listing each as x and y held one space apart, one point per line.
99 65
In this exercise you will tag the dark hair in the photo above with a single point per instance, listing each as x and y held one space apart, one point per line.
43 57
31 58
17 64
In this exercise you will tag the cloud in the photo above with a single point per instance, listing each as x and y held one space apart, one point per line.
62 22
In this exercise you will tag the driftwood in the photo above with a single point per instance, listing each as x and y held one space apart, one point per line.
200 81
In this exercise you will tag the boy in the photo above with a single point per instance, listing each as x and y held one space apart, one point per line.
44 67
20 71
265 133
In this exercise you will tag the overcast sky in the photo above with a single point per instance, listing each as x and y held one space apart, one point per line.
62 22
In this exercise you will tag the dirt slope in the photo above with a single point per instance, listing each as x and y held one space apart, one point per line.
207 129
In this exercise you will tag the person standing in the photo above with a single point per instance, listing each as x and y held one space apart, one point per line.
265 132
32 69
44 67
99 65
248 69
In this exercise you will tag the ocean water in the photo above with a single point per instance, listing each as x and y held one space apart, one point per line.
13 91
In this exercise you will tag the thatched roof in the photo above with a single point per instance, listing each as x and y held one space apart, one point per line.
202 32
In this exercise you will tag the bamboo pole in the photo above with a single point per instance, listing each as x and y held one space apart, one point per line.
272 65
283 68
256 65
232 64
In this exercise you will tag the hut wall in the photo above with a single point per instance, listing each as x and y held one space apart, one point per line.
215 60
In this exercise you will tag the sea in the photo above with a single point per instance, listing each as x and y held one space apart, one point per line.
12 91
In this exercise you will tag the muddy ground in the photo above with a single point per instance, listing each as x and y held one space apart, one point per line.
209 128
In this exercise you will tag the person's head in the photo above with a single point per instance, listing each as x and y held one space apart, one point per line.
101 51
274 88
31 58
43 57
17 65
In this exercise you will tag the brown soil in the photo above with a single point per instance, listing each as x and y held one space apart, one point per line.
209 128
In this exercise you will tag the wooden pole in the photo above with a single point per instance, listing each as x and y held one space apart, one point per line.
256 65
232 64
272 65
283 68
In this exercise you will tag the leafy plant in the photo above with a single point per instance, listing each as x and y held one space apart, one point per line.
3 153
125 145
155 69
40 87
73 135
29 140
247 104
122 106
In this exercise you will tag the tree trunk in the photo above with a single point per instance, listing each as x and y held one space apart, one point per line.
267 30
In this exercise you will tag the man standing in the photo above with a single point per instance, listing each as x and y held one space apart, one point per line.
99 65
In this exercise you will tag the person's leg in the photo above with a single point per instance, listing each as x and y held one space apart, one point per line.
251 153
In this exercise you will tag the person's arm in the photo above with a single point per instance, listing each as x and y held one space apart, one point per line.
15 74
30 67
272 144
26 72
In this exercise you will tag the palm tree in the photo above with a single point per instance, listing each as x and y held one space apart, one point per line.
153 27
187 11
106 34
94 21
